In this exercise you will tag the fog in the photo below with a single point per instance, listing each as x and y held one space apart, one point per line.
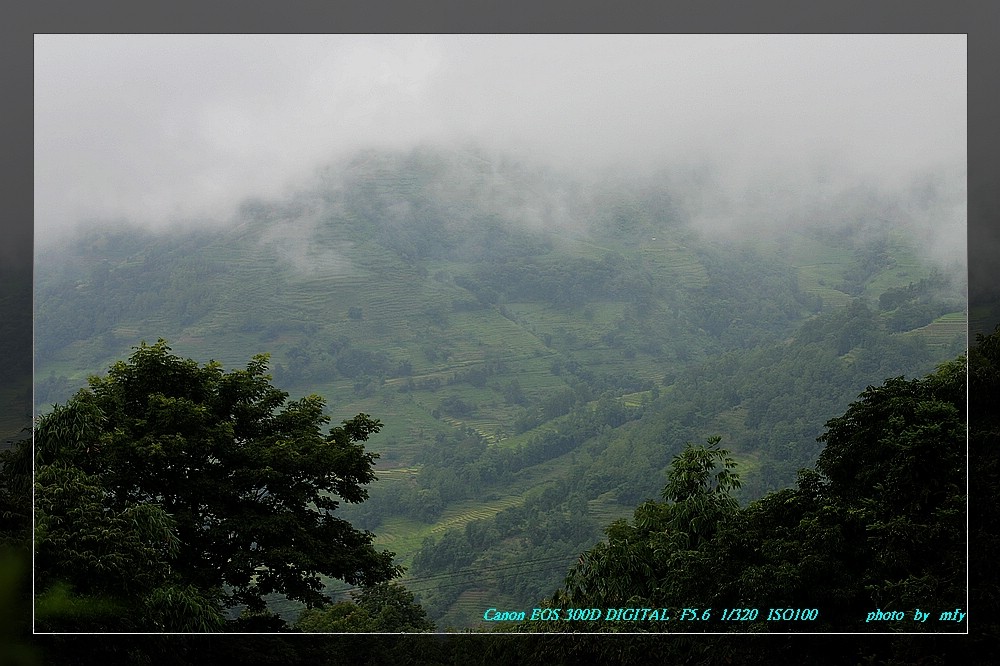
753 130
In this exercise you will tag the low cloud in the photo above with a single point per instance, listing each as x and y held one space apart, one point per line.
162 129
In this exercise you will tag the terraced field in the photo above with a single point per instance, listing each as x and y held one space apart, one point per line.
460 513
605 509
945 329
470 604
674 261
396 473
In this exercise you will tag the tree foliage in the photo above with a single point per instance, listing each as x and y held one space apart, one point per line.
654 560
102 568
194 487
386 607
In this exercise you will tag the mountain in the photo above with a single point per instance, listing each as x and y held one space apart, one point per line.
539 347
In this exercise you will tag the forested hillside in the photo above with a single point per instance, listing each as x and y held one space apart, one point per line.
882 520
863 541
538 350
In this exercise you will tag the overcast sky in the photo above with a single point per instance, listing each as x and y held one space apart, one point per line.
153 128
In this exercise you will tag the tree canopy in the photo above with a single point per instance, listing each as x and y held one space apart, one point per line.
199 487
386 607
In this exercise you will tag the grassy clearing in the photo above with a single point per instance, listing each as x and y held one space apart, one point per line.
729 425
405 536
568 329
818 278
819 267
488 430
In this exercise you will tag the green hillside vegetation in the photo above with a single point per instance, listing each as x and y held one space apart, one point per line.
879 521
538 351
877 529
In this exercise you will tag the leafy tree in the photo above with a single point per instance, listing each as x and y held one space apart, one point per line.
654 561
98 567
382 608
248 480
102 569
896 466
700 500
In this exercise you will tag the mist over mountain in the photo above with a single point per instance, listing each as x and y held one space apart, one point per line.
161 129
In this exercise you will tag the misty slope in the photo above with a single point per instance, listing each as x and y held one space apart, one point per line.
531 344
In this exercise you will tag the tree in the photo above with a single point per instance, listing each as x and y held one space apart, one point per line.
102 569
896 464
700 501
248 480
382 608
654 561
